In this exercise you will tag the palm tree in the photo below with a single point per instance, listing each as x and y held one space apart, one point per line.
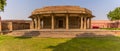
2 5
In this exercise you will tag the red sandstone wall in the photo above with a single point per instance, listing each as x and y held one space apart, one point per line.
105 24
9 25
25 24
20 26
4 26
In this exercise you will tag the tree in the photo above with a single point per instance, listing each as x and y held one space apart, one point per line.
114 15
2 5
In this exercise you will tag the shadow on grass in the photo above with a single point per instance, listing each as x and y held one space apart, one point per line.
90 42
29 34
23 37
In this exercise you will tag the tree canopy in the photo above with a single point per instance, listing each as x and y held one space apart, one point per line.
2 5
114 15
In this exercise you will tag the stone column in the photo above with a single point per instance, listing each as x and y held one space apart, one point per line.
36 23
88 23
39 26
81 21
52 20
85 23
11 26
67 22
32 24
0 26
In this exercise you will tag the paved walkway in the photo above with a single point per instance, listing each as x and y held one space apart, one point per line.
66 30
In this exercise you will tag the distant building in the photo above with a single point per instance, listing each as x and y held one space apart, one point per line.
105 24
10 25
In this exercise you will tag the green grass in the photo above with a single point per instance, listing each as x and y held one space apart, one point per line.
8 43
111 28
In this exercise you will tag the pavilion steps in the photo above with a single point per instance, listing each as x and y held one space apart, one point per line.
63 34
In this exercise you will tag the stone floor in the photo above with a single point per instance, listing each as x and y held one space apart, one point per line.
66 30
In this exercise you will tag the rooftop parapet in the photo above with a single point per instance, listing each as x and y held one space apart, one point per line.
61 9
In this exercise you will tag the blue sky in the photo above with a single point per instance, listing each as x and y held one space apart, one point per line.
21 9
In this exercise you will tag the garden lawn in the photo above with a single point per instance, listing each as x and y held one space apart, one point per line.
8 43
110 28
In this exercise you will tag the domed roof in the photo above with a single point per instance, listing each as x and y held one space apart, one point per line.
61 9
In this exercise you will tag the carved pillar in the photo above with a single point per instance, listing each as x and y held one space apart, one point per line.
36 22
32 26
39 22
11 26
88 23
0 26
81 26
67 22
85 23
52 20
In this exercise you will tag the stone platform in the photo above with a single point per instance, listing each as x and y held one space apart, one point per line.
61 33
